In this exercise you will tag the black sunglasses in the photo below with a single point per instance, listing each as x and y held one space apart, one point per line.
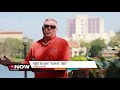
51 26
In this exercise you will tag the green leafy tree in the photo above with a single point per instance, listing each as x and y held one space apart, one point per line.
115 40
96 47
30 42
13 46
84 44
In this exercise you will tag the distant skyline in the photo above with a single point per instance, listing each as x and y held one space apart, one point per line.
30 23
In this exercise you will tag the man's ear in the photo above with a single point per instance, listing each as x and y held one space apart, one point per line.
42 28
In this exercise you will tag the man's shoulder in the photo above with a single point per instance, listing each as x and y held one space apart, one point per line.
37 42
61 39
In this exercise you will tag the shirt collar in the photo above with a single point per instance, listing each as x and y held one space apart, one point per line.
52 41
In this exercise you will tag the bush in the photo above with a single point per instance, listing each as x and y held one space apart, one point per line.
79 58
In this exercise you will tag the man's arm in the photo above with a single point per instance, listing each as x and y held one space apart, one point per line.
5 61
65 53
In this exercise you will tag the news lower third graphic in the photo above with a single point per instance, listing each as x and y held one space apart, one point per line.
19 67
52 65
63 64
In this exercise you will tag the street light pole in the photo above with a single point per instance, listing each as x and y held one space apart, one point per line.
25 72
25 40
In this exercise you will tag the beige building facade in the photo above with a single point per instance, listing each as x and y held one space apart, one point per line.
18 35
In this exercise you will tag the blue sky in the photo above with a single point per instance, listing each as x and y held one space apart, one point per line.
30 23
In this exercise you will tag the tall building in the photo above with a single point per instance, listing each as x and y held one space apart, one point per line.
95 25
88 28
83 24
70 27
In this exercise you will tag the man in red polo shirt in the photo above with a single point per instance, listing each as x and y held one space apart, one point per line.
49 48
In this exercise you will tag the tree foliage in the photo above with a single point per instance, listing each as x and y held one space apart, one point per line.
79 58
96 47
84 44
115 40
14 47
30 41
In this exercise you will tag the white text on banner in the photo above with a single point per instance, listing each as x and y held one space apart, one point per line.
63 64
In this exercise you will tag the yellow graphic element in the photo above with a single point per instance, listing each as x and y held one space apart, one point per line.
60 69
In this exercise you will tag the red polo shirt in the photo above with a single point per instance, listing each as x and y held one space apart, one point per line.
57 49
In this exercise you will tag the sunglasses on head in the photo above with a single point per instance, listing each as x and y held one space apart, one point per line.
51 26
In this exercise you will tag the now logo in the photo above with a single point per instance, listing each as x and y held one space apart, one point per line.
20 67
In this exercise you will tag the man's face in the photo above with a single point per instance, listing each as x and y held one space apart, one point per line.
49 28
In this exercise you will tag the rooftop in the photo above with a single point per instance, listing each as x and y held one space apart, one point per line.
11 32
